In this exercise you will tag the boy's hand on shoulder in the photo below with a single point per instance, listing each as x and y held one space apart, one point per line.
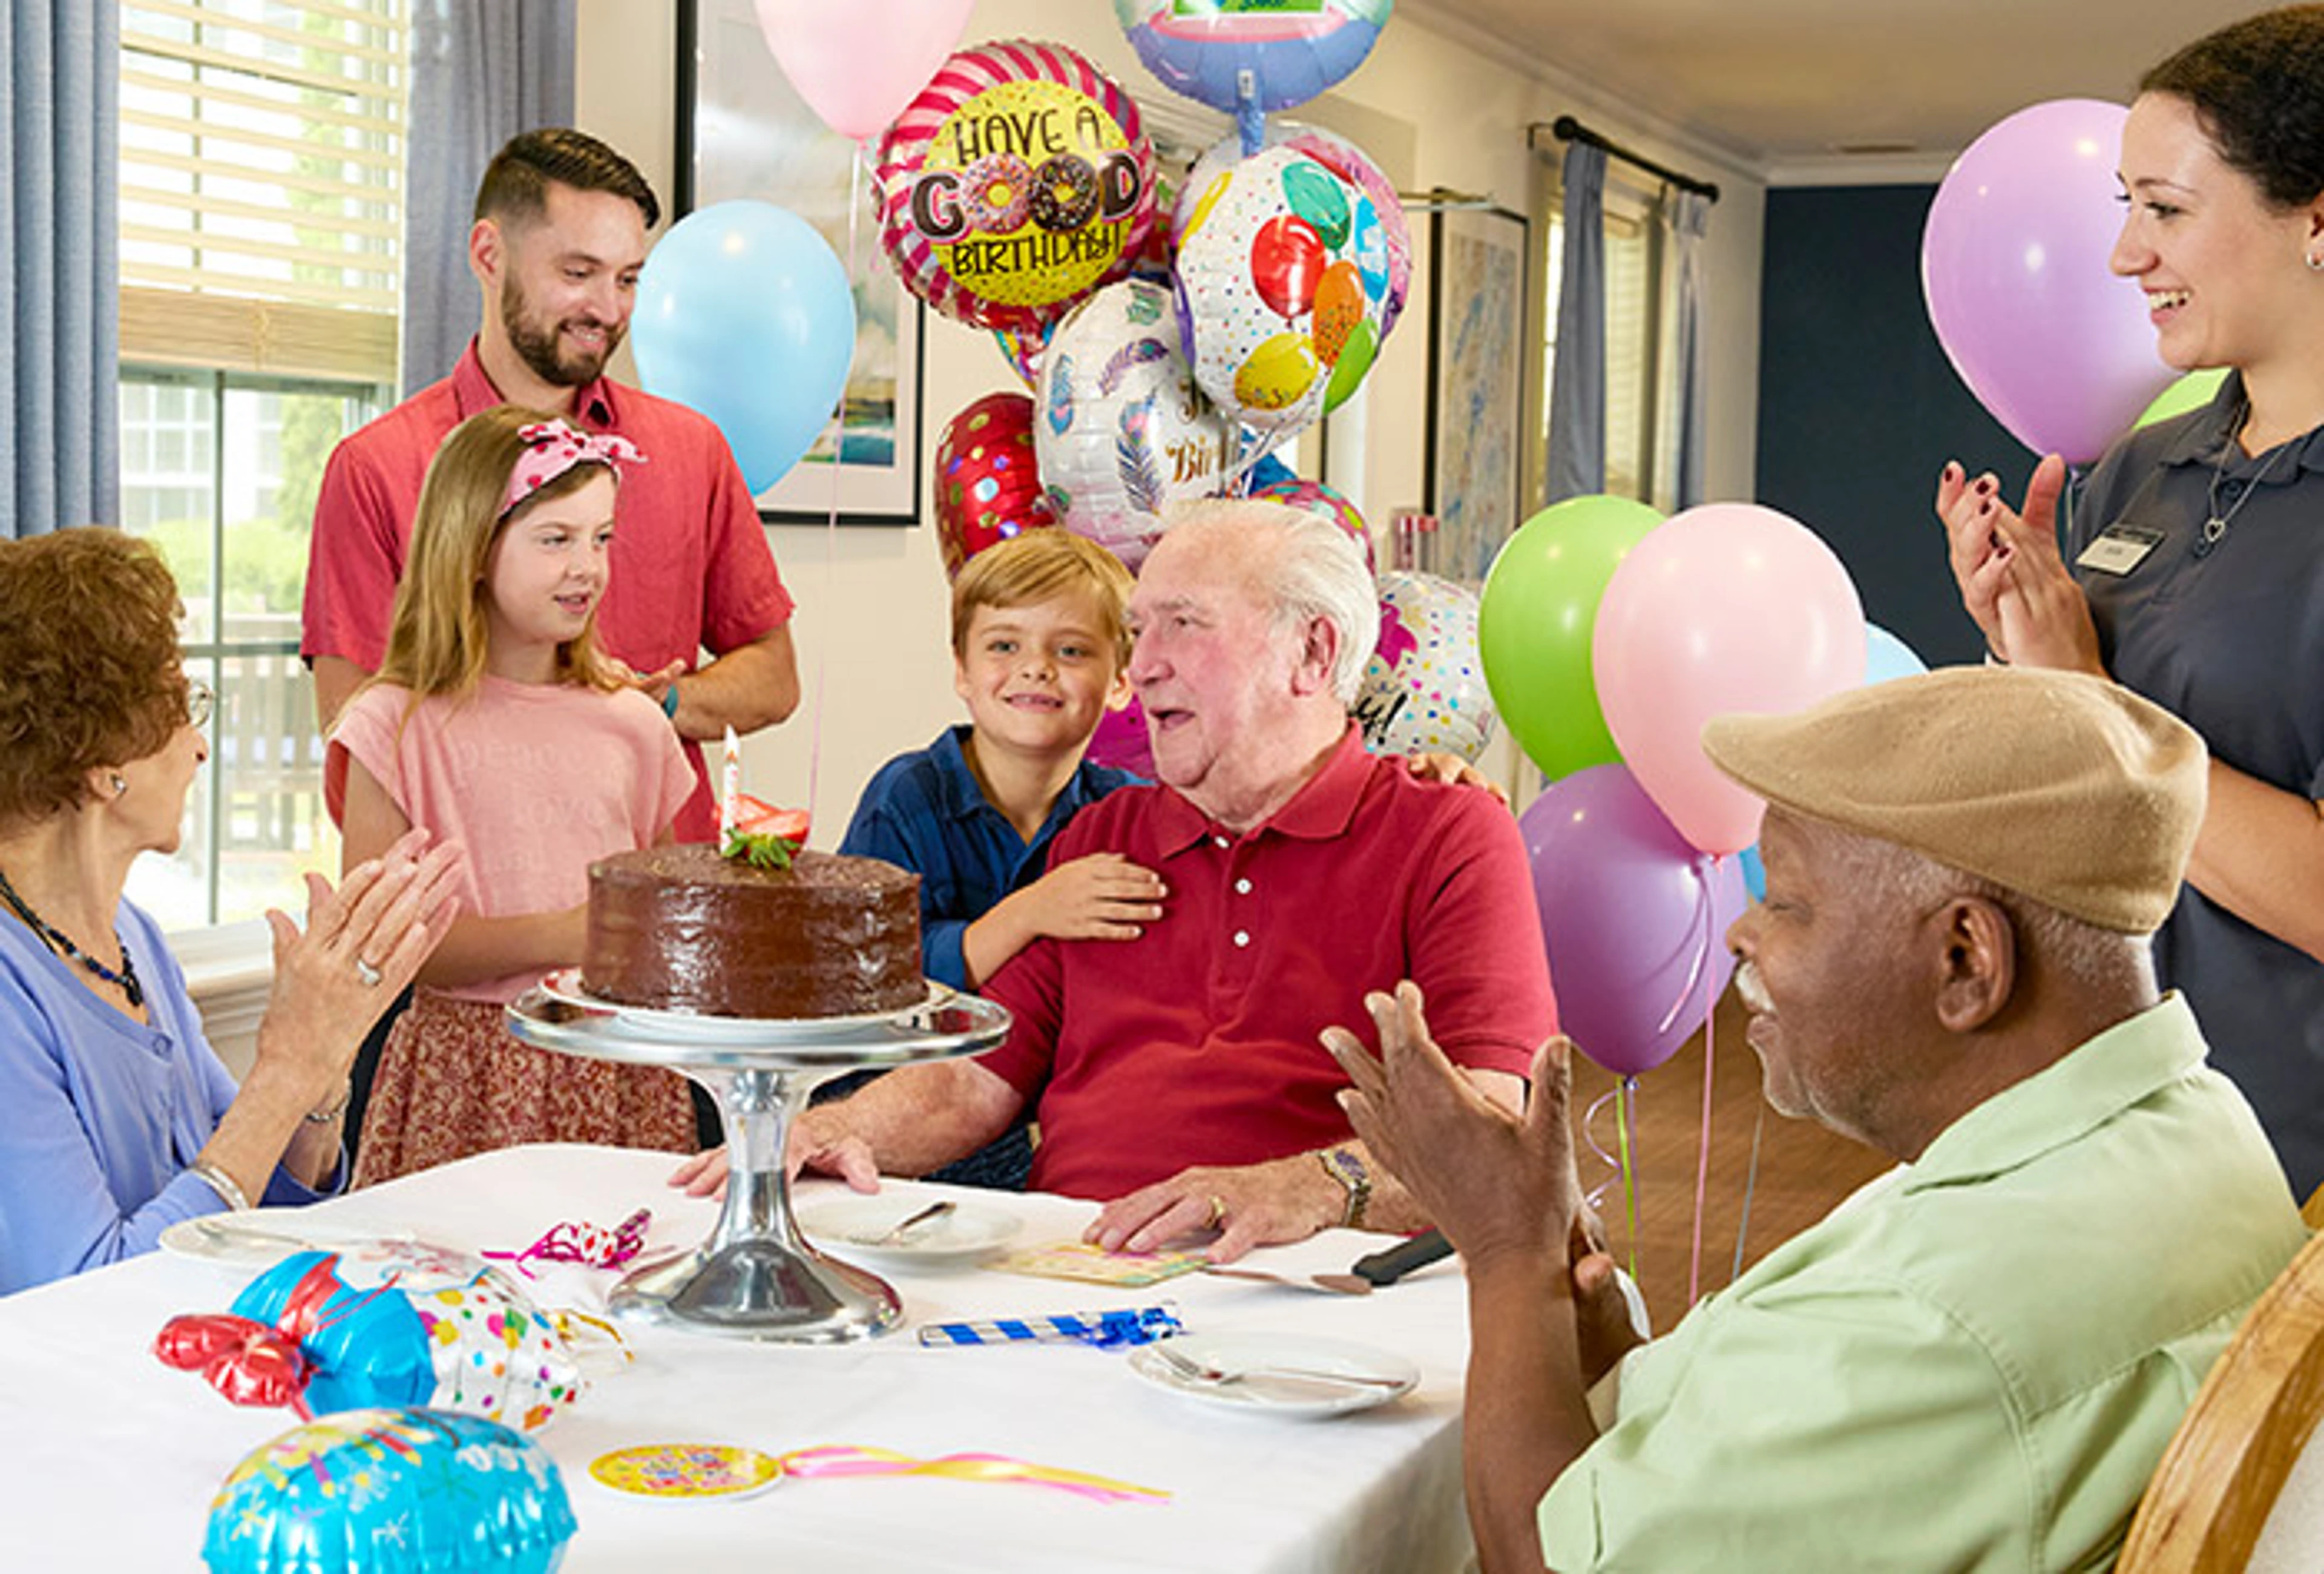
1102 896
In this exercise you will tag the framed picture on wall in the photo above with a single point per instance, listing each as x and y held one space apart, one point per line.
743 133
1477 350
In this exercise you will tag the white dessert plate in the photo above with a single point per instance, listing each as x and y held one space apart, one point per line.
699 1027
856 1226
264 1236
1288 1374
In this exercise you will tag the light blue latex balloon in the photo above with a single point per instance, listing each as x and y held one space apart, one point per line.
744 312
391 1491
1755 874
1885 656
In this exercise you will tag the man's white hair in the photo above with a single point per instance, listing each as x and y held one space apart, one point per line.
1315 570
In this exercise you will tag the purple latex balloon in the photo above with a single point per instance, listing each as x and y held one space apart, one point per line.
1636 919
2014 266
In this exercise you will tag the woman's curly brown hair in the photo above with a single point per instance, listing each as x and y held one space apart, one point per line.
89 672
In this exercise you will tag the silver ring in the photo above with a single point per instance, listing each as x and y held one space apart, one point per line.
370 975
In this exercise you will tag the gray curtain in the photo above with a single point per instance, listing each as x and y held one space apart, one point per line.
1577 395
1688 214
60 399
480 74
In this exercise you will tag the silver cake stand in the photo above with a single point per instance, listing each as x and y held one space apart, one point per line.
756 1277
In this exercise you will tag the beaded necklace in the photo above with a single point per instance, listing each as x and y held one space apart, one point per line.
125 980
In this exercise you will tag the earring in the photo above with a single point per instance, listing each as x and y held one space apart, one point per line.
2316 262
120 784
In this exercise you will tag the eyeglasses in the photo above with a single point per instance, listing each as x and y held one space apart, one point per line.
200 698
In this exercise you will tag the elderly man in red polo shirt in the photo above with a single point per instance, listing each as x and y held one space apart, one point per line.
559 240
1179 1076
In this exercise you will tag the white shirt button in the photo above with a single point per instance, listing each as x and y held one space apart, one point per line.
1242 937
1220 841
1243 887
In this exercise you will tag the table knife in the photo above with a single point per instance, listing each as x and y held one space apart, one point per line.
1385 1267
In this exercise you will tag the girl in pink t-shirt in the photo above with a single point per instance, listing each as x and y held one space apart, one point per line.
494 719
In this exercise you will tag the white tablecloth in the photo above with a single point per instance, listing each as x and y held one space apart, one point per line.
108 1459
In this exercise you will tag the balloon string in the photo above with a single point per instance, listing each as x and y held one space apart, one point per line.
1710 1063
1614 1166
1701 957
1628 1099
1750 1184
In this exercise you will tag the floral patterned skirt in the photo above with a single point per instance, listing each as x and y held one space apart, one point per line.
453 1081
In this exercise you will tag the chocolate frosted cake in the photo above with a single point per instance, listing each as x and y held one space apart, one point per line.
681 928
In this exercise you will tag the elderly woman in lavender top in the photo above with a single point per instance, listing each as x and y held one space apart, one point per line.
116 1117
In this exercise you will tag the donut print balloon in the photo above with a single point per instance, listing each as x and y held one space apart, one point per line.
1424 686
1272 283
1291 49
1383 259
988 479
1122 431
1020 180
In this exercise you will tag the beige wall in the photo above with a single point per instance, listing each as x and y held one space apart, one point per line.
871 601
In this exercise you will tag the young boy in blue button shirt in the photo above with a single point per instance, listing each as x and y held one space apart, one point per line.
1040 646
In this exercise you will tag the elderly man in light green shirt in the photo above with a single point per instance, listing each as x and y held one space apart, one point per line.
1976 1362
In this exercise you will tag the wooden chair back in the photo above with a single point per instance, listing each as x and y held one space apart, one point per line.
2207 1509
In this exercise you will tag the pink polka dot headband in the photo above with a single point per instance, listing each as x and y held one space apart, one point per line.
551 447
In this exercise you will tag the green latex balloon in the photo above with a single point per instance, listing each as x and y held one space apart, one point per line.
2191 391
1533 627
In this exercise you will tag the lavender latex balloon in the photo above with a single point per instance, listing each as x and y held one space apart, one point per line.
2014 266
1635 919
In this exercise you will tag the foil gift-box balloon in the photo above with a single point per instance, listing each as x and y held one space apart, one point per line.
391 1491
476 1346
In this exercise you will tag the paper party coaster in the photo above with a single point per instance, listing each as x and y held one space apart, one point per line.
687 1470
1095 1265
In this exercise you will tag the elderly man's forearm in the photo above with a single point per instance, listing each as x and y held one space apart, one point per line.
1527 1417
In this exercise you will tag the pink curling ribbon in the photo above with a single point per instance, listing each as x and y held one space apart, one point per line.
840 1460
589 1245
551 447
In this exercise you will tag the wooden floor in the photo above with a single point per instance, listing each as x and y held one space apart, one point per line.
1802 1169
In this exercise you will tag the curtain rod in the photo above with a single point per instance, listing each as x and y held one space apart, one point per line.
1565 128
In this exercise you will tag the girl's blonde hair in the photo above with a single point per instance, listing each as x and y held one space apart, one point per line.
437 642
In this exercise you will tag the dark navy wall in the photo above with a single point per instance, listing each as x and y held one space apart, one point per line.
1859 408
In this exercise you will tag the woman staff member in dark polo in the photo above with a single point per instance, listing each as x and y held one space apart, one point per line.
2193 568
116 1118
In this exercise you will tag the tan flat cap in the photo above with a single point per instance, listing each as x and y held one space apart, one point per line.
2070 789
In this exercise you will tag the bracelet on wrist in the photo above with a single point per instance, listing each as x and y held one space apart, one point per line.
229 1191
327 1113
670 700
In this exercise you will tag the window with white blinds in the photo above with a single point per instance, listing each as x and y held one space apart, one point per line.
261 178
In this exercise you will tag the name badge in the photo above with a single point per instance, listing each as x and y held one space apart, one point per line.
2120 549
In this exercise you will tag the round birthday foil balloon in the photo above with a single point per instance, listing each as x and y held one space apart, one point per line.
1121 430
391 1491
1424 686
988 479
1324 503
1291 49
1016 182
1384 265
1282 324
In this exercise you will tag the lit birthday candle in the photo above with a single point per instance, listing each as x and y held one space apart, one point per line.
730 786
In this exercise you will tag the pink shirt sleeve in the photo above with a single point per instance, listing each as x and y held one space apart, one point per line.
353 559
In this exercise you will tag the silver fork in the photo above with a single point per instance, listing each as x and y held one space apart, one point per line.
1196 1371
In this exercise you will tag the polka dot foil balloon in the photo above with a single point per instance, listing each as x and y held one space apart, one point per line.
1424 686
988 482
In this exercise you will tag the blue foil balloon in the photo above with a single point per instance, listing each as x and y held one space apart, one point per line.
368 1347
744 313
391 1492
1202 48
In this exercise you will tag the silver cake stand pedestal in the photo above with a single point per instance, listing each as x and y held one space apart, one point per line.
756 1277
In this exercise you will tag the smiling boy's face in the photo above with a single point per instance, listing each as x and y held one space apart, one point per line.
1039 678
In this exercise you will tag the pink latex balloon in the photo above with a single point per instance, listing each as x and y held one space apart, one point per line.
2014 266
1726 607
857 63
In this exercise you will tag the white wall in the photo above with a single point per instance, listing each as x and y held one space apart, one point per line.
872 620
